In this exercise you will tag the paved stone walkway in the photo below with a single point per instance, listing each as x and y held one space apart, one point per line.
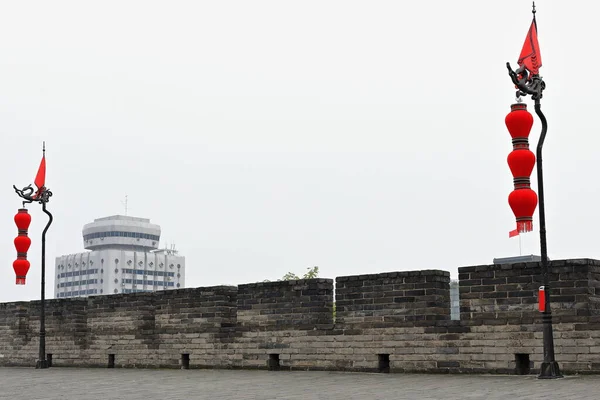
109 384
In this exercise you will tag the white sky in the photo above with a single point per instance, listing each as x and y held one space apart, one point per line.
270 136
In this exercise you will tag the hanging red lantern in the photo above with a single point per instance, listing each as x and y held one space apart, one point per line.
21 266
519 121
23 219
521 161
523 202
22 244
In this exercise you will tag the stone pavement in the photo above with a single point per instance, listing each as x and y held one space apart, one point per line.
108 384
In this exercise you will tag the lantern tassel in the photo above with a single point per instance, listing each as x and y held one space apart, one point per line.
525 226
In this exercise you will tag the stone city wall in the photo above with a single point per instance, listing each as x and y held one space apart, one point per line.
397 321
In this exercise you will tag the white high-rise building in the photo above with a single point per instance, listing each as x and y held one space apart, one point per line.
124 258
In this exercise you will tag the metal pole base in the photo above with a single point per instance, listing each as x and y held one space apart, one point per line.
550 370
41 364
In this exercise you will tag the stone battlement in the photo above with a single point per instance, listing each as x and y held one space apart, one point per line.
398 321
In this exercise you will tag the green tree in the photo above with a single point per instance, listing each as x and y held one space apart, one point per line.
311 273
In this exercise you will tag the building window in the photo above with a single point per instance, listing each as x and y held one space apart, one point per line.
137 235
116 280
116 290
116 270
116 260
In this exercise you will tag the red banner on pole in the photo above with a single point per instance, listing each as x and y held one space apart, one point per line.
530 54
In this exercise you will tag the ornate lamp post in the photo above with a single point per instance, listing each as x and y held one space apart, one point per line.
21 265
528 82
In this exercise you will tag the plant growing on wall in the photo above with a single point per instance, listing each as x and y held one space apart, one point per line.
311 273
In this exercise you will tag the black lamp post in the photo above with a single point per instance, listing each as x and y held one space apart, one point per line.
534 85
42 196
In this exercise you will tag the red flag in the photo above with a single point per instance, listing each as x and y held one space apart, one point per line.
513 233
530 54
40 178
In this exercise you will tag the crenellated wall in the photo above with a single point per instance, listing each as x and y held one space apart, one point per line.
398 321
393 299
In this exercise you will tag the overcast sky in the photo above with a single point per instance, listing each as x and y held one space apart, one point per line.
270 136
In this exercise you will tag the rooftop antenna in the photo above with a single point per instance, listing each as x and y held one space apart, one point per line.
125 204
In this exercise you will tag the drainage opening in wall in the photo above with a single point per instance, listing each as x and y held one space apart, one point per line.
522 364
384 363
49 359
185 361
273 363
111 361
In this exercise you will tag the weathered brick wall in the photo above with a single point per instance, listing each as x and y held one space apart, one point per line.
499 305
276 318
200 322
122 325
66 330
16 334
509 293
300 304
391 298
399 320
594 287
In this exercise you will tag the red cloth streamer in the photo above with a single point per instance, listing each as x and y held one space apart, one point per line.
40 178
523 200
530 54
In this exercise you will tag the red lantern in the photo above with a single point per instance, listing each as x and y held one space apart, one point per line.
21 266
521 161
519 121
523 203
22 243
23 219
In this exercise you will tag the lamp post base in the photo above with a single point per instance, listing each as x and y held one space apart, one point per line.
41 364
550 370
